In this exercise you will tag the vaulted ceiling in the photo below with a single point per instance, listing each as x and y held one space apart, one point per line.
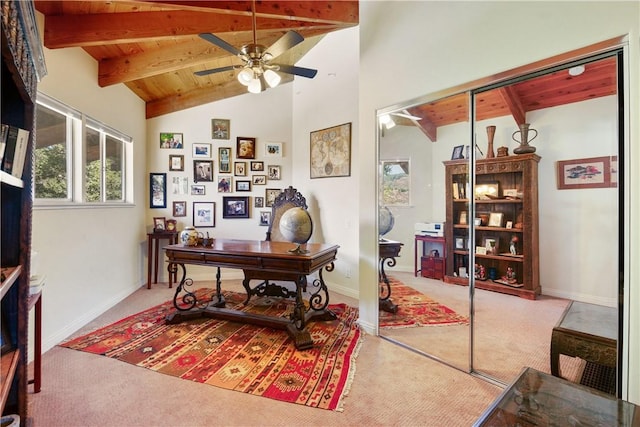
154 49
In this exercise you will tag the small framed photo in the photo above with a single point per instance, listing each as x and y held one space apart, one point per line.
204 214
273 149
197 190
171 140
224 159
491 244
220 128
509 224
171 225
176 162
224 184
457 152
157 190
462 219
242 185
235 207
179 209
257 166
240 168
245 148
495 219
201 150
258 202
274 172
265 218
270 195
460 243
159 223
203 170
259 179
481 250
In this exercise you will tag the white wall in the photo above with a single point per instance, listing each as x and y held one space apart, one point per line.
90 256
462 42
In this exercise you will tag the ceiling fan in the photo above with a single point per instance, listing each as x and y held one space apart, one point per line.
258 71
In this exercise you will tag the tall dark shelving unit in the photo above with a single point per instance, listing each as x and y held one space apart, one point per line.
22 67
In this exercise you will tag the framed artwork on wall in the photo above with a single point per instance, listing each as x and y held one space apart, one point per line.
220 128
242 185
197 190
245 148
331 152
204 214
593 172
202 170
259 179
224 159
270 195
257 166
258 202
224 184
240 168
274 172
179 209
265 218
201 150
235 207
176 162
157 190
273 149
171 140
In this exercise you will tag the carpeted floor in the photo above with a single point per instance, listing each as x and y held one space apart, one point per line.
417 309
235 356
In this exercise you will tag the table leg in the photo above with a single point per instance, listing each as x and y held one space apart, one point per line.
385 303
415 257
155 260
37 362
149 254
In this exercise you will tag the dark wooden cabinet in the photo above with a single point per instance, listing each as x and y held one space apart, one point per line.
22 66
506 200
432 267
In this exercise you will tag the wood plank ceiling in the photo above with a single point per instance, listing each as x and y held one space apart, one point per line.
153 47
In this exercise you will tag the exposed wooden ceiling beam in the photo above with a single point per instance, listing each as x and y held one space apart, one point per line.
513 103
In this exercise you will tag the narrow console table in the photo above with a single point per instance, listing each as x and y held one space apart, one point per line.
587 331
153 242
539 399
388 251
259 260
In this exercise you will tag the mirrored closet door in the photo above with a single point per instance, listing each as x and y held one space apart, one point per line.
503 204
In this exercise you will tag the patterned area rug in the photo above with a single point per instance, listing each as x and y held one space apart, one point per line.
235 356
417 309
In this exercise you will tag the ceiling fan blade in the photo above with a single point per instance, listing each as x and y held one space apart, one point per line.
407 116
298 71
215 70
284 43
220 43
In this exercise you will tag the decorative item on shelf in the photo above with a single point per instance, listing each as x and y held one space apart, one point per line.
491 131
493 273
503 151
386 221
435 253
480 272
207 241
513 245
524 140
296 226
159 225
189 236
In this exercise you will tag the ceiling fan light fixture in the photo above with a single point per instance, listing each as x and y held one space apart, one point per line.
255 86
272 78
245 76
387 121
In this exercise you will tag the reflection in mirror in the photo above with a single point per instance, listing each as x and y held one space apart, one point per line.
417 308
557 257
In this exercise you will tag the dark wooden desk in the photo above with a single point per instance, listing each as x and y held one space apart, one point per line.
388 251
587 331
259 260
538 399
152 256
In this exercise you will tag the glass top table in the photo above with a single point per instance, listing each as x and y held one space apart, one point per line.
539 399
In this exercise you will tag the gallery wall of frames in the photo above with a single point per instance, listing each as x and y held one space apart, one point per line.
228 178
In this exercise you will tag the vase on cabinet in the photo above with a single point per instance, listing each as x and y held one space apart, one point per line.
491 131
524 140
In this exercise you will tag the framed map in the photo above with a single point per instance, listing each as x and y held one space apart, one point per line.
331 152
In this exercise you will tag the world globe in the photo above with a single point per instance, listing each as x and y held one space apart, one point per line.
385 221
296 227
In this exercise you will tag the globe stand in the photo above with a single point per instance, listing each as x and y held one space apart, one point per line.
298 250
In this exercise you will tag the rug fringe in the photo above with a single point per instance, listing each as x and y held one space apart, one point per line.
352 371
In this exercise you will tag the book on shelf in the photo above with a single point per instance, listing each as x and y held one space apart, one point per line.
15 151
3 141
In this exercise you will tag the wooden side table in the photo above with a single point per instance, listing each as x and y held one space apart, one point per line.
152 256
435 242
587 331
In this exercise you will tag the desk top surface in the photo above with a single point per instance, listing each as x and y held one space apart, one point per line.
536 398
264 248
591 319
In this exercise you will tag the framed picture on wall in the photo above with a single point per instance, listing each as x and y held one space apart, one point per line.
224 159
242 185
265 218
235 207
197 190
270 195
202 170
201 150
179 208
157 190
593 172
220 128
204 214
176 162
246 148
171 140
273 149
335 140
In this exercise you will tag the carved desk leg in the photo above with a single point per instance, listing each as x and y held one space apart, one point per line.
385 302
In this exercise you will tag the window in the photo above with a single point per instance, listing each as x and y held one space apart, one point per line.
396 183
78 160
